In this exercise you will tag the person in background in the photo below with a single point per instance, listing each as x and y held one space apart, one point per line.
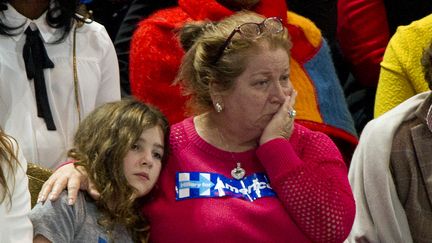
401 74
137 11
322 12
55 68
364 47
14 193
155 57
241 163
122 147
108 13
364 28
120 18
390 172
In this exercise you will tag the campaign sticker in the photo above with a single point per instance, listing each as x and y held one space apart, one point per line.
191 185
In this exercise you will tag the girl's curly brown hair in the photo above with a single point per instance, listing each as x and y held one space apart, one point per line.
100 145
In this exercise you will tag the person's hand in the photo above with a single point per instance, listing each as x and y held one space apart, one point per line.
282 123
74 178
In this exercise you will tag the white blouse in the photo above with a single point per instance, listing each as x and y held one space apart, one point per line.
15 225
98 76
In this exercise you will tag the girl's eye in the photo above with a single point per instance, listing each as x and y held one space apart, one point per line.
157 155
135 147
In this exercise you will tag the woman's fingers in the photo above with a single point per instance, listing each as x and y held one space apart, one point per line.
290 114
94 193
46 189
293 99
281 125
59 185
86 184
65 176
289 103
73 186
70 177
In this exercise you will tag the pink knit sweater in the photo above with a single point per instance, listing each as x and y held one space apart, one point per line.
314 200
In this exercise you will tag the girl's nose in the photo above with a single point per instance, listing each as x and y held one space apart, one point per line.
146 160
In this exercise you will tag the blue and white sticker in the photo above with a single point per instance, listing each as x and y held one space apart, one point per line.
102 240
191 185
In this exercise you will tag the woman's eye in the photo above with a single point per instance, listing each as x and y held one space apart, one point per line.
284 80
262 83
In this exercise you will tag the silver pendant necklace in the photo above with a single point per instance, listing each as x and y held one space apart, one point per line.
238 172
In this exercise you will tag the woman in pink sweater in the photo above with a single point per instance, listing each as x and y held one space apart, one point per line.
241 170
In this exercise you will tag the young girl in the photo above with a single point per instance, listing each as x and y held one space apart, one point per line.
15 225
122 146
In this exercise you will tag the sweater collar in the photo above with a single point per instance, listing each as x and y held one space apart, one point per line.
210 149
214 11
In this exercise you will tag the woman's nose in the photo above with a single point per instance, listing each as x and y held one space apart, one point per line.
279 93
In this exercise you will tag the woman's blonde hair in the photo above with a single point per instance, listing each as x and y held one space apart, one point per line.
100 145
204 65
8 160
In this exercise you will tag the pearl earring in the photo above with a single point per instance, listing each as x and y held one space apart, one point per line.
218 107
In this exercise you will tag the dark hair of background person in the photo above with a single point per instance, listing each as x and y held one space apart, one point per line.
138 10
63 21
120 18
324 15
109 13
322 12
403 12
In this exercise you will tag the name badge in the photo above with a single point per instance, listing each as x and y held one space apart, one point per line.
191 185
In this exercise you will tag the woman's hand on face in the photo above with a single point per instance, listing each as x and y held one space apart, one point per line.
281 125
74 178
